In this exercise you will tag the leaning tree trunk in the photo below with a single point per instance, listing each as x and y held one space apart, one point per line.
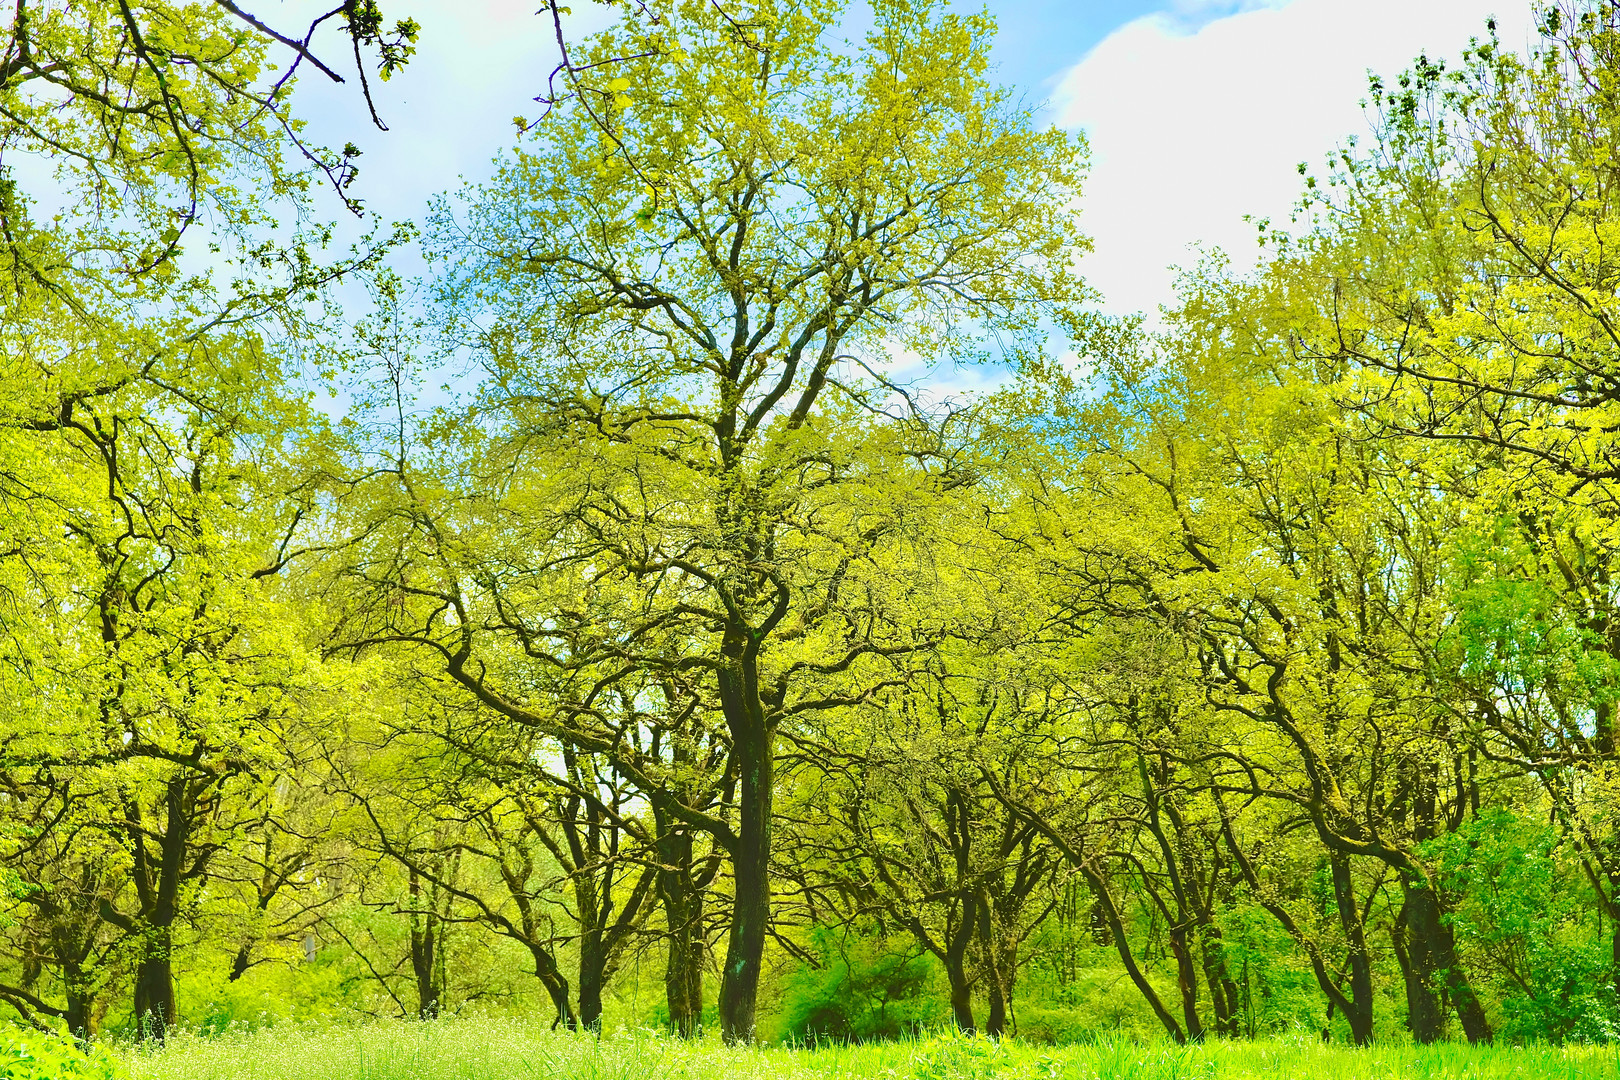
995 989
1116 929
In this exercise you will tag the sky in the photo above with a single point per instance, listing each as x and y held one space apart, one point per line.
1197 111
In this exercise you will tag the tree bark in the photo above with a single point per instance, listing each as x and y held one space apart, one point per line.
1423 1017
592 976
1105 898
753 747
1432 953
1359 1015
426 943
1186 983
77 1013
683 921
1223 992
997 990
155 1011
1432 944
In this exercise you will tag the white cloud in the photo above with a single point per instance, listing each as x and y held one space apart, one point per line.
1196 121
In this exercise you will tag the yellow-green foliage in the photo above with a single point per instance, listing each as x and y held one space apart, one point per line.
32 1055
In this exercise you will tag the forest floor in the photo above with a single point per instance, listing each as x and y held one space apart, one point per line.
509 1050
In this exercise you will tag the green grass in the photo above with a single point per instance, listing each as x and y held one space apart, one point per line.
509 1050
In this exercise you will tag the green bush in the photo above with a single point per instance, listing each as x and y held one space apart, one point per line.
951 1055
34 1055
1517 913
865 987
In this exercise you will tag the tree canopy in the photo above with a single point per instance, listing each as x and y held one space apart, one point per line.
1248 670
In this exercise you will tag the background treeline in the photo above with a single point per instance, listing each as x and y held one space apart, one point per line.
1250 671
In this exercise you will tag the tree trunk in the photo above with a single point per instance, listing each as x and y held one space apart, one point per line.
961 995
592 973
1433 945
155 1011
1223 992
1187 983
953 957
425 946
240 963
752 742
683 977
1360 1014
1423 1016
1116 929
1435 964
995 1019
77 1014
995 983
683 919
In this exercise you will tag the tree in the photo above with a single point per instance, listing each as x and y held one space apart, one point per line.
1463 262
676 423
893 818
152 680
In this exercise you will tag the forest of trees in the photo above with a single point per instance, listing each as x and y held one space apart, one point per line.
1251 668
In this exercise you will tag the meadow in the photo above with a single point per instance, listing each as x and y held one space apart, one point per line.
510 1050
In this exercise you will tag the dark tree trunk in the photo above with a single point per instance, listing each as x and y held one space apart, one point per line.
1184 917
683 975
556 986
592 976
995 1017
425 946
1431 943
753 749
1223 992
1105 898
1187 984
155 1011
1360 1001
77 1013
241 962
562 1008
1423 1016
995 981
961 995
683 919
954 955
1435 965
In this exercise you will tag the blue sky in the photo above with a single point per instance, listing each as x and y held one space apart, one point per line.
1039 40
1197 111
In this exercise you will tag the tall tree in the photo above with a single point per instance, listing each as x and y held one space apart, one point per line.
678 421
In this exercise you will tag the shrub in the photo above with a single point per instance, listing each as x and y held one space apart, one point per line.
865 987
35 1055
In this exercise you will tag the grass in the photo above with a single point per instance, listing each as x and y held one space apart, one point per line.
511 1050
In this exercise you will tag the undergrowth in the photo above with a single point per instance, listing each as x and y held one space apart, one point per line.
508 1050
